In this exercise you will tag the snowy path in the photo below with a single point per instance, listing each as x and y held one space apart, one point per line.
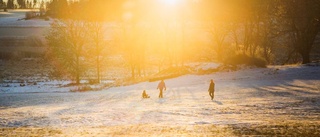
256 96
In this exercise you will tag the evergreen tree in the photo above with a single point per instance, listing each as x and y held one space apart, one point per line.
10 4
59 8
35 2
21 4
1 4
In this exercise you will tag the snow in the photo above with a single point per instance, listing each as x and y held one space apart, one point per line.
250 96
13 18
204 66
44 87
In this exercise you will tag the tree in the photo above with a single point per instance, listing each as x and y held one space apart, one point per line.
42 8
99 45
134 39
59 8
1 4
219 32
129 46
35 2
66 41
260 30
22 4
29 4
303 21
10 4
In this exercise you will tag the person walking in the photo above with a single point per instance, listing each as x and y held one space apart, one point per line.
161 86
211 89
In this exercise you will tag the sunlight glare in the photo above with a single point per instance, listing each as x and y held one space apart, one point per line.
170 2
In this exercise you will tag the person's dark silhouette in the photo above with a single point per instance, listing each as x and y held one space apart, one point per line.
161 86
145 95
211 89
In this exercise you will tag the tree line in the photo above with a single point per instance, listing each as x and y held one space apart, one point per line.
152 33
21 4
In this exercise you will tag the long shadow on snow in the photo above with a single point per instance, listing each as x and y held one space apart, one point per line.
300 73
37 99
303 96
300 85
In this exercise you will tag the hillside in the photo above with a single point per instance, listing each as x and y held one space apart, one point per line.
278 100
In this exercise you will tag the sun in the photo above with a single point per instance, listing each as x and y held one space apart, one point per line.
170 2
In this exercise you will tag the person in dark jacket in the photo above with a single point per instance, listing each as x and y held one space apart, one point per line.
145 95
161 86
211 89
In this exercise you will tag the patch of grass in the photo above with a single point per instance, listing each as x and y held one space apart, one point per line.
278 129
170 73
207 71
83 88
243 59
129 81
87 87
46 18
29 132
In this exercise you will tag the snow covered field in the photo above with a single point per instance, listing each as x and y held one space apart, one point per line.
13 18
12 24
278 100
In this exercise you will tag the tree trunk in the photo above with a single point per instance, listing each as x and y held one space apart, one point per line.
98 70
305 57
304 51
139 70
78 78
132 71
266 55
77 71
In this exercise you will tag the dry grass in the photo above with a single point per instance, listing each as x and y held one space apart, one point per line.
277 129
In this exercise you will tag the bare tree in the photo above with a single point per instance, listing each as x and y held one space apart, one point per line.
66 41
303 21
134 47
99 45
219 32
